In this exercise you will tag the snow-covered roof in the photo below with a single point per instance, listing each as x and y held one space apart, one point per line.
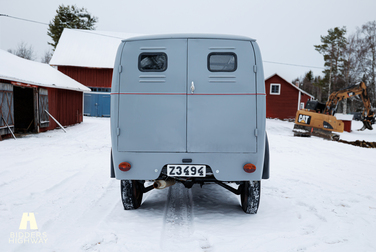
299 89
14 68
87 48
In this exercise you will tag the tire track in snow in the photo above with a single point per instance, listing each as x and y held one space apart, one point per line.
93 209
178 220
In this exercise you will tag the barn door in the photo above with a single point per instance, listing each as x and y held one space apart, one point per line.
43 106
6 108
97 104
90 109
105 101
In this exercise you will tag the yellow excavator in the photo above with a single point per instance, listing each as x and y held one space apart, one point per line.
318 118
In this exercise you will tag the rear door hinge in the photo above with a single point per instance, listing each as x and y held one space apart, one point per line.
118 131
256 132
255 68
120 68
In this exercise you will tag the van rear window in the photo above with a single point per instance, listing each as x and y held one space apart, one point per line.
152 62
222 62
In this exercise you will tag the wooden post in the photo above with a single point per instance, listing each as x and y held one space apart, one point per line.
9 128
56 121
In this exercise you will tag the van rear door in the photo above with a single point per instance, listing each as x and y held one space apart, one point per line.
221 107
187 95
152 102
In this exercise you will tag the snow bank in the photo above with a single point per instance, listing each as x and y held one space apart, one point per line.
320 197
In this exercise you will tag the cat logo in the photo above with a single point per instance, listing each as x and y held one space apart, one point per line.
304 119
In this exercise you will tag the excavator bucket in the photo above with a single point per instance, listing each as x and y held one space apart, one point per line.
366 125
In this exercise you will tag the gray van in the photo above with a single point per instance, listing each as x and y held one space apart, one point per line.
189 108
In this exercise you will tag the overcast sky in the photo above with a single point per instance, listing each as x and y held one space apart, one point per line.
285 30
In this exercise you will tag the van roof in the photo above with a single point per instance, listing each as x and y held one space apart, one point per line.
189 36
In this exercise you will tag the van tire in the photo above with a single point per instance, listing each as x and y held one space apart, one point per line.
131 194
250 196
266 170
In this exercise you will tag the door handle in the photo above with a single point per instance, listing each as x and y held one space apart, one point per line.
192 87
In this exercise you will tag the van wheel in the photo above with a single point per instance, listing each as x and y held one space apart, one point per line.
250 196
131 194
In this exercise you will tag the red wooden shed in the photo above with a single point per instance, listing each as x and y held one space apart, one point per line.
283 98
28 89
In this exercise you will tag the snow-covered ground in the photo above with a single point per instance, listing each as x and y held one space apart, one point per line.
321 197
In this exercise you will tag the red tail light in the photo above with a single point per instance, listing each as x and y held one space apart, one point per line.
124 166
249 168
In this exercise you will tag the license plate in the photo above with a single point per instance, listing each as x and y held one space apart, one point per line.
186 170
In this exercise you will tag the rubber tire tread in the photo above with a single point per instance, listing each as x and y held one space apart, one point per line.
250 196
131 194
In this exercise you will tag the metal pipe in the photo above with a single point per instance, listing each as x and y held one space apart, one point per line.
231 189
146 189
161 184
56 121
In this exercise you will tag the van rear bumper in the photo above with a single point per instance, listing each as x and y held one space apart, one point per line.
225 166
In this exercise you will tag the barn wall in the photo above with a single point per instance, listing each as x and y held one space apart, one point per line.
66 106
283 106
90 77
304 98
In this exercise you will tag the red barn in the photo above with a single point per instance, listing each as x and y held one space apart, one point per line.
88 56
283 98
28 89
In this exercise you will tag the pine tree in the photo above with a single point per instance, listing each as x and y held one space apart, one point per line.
318 87
69 17
332 48
307 82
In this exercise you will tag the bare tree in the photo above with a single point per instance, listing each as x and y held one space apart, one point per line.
352 55
369 33
24 51
47 57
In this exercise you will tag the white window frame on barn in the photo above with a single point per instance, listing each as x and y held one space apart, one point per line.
275 85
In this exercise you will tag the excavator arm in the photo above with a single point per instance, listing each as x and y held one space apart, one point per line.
368 116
